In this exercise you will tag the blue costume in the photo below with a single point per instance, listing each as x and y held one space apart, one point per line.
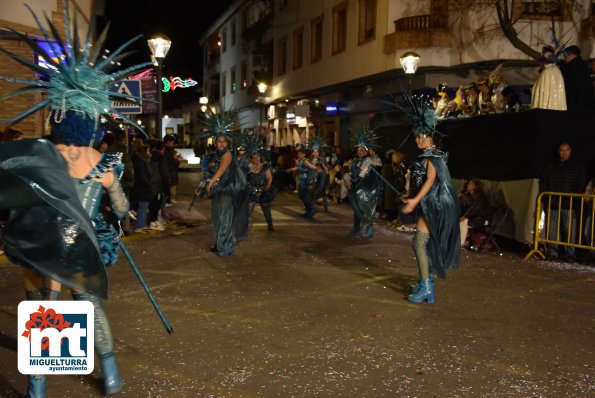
48 229
56 228
229 208
258 192
363 196
441 209
90 193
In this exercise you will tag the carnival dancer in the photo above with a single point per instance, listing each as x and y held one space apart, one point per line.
436 242
259 178
317 178
301 175
227 186
56 230
364 188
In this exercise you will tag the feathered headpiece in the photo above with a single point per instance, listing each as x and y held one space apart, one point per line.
366 139
420 113
251 142
316 143
223 123
76 83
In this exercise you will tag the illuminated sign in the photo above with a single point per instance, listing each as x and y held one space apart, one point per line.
331 108
177 82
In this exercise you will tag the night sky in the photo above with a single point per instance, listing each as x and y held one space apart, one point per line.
184 22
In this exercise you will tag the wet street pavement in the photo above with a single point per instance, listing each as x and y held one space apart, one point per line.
307 311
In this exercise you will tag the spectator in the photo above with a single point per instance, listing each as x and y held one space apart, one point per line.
548 91
472 105
120 145
173 163
484 98
159 184
142 192
475 208
443 99
563 175
498 85
452 111
577 81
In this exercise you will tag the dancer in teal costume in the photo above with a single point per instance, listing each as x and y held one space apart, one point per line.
227 185
57 240
364 189
436 242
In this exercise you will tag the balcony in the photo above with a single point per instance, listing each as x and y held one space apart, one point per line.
420 31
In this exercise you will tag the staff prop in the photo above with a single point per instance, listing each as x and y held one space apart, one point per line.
201 192
386 181
134 267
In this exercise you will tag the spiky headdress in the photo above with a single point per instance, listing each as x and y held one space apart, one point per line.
77 86
419 112
366 139
222 123
251 142
316 143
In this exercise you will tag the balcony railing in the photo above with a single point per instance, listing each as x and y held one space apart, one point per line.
420 31
421 22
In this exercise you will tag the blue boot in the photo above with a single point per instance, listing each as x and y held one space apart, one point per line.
112 381
415 288
369 232
425 293
36 386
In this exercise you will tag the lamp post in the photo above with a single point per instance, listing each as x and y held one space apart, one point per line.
203 101
262 88
159 46
409 62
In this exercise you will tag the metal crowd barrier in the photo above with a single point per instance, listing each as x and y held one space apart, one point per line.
574 210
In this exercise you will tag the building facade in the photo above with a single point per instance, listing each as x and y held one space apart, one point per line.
330 65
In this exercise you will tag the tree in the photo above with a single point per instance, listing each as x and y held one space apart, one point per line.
511 22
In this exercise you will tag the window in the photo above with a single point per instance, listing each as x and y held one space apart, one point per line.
223 84
367 21
233 85
541 8
233 32
316 40
244 75
282 56
339 28
298 48
223 40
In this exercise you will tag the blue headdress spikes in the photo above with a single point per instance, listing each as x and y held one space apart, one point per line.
77 85
366 139
223 123
316 143
420 113
251 142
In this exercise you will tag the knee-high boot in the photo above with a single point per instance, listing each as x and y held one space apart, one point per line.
35 383
266 210
104 345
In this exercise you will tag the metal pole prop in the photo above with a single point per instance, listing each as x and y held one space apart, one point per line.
134 267
386 181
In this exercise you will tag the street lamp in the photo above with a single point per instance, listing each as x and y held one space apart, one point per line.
409 62
159 46
203 101
262 88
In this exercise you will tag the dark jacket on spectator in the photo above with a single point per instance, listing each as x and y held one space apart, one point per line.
142 190
564 177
